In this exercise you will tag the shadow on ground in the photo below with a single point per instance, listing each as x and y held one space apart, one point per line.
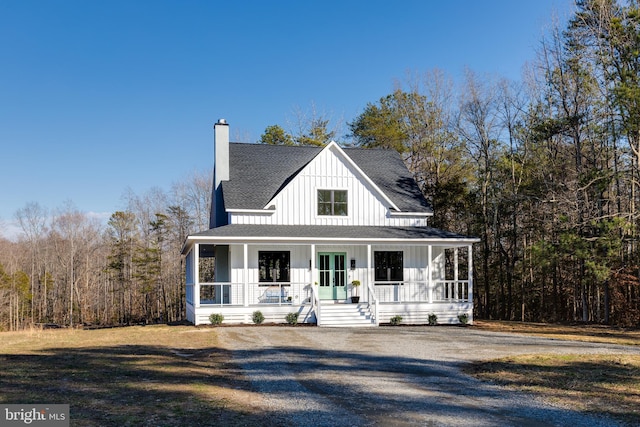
136 385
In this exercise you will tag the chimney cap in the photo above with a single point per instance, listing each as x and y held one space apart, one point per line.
222 122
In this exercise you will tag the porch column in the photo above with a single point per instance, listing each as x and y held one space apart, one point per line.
246 275
429 274
312 271
455 273
369 274
470 273
196 278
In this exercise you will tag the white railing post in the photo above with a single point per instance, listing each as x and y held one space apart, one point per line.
373 301
315 304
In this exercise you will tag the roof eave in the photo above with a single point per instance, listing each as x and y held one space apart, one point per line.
458 241
412 214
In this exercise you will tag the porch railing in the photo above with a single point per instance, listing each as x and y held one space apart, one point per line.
304 293
279 293
232 293
442 291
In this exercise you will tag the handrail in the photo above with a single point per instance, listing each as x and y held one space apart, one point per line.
315 303
372 296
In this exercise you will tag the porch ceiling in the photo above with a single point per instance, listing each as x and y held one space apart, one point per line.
239 233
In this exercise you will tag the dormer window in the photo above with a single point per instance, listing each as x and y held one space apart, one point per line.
332 202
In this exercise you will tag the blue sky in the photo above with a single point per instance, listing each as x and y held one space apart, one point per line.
100 96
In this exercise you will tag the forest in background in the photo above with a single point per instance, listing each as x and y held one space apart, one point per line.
546 171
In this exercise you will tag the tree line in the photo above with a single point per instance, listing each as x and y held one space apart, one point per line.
546 171
68 268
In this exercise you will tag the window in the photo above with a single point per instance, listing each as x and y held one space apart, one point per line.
388 266
332 202
273 266
207 263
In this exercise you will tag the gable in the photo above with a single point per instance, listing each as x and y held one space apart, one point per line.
297 202
259 172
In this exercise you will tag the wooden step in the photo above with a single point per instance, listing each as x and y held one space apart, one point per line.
345 315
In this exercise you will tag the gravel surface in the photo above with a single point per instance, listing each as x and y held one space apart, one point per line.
388 376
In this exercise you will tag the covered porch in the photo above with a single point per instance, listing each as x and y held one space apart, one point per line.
411 277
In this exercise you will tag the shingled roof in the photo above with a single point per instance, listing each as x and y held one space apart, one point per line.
258 172
319 232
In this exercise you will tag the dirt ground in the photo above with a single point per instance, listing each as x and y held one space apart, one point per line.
395 376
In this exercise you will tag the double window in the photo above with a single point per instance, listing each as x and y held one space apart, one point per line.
332 203
274 266
388 266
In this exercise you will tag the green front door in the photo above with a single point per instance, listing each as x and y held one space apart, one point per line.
333 275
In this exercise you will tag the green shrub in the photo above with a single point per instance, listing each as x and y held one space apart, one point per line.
216 318
433 319
258 317
395 320
292 318
463 318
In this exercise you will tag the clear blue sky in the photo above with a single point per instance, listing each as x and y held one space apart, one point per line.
100 96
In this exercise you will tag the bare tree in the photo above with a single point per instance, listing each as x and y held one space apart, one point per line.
33 221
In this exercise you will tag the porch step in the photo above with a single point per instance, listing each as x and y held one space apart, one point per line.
345 315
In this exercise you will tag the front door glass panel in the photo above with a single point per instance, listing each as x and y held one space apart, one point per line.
332 278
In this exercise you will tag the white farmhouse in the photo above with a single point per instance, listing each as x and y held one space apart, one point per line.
294 228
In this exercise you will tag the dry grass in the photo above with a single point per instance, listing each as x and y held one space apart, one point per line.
587 333
153 375
177 375
606 384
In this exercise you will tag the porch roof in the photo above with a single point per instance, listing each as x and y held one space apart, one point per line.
319 234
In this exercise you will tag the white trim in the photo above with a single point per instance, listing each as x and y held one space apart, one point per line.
196 276
343 240
245 268
266 211
430 273
410 214
221 240
349 203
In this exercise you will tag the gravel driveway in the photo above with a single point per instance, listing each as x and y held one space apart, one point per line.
393 376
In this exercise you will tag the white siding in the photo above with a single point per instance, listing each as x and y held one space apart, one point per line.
297 203
414 259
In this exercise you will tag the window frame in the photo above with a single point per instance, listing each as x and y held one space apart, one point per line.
264 275
394 273
332 203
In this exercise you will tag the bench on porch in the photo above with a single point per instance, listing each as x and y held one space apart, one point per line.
274 295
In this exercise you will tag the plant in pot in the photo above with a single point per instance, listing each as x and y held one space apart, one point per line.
355 298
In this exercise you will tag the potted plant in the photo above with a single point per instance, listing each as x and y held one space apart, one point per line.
355 298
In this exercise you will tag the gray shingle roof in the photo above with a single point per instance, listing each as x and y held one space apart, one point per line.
319 232
259 171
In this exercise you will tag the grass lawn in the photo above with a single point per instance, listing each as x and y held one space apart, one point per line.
606 384
153 375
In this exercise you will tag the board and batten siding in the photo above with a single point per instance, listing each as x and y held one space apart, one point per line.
296 204
414 258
